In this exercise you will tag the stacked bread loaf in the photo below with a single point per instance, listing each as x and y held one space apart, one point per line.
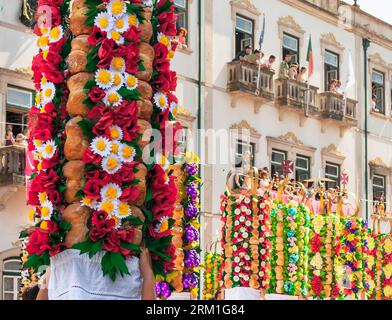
77 144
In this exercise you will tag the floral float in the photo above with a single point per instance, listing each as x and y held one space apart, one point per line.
290 247
212 267
245 242
386 268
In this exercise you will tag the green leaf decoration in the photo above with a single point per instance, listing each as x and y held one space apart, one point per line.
23 234
141 66
93 59
131 246
136 11
35 261
96 247
113 263
84 247
62 188
90 85
130 95
134 221
87 127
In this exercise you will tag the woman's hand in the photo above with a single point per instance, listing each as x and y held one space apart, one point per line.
146 264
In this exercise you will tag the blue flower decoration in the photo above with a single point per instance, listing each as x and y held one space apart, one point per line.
288 286
293 258
292 211
290 234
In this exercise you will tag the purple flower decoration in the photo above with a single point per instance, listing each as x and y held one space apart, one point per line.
191 259
191 169
192 191
190 280
191 211
162 289
191 233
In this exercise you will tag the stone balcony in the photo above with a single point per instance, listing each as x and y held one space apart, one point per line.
244 81
12 166
335 107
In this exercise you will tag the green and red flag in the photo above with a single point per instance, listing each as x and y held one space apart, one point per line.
309 58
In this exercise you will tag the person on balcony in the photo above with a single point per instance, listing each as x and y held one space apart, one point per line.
339 89
242 54
301 77
268 63
254 58
9 137
332 86
293 71
284 67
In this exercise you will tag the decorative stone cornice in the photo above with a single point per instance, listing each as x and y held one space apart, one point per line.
244 125
376 59
332 150
378 166
25 71
288 22
245 5
290 137
378 163
328 39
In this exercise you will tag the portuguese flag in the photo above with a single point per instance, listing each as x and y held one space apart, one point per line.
309 58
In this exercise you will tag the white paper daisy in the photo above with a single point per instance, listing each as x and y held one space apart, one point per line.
104 21
116 7
116 133
111 192
121 24
55 34
104 78
133 21
112 98
164 40
116 145
163 161
101 146
48 149
124 210
160 101
43 42
116 36
109 206
127 153
48 91
43 197
111 164
118 81
117 64
131 82
88 202
116 220
173 108
46 210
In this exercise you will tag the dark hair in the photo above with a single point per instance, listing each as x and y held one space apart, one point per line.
287 54
248 47
272 57
30 293
257 51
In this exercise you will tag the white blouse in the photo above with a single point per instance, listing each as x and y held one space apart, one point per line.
77 277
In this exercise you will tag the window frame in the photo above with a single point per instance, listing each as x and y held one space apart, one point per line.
236 29
329 68
273 164
303 170
11 274
376 86
252 147
185 10
296 54
332 177
383 187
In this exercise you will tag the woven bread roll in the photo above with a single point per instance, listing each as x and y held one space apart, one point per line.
145 28
77 216
147 50
78 4
77 95
145 90
145 133
141 186
147 63
77 61
78 81
145 109
75 143
81 43
73 171
73 187
77 19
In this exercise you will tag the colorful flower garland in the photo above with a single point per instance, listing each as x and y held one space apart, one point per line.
212 267
115 181
46 125
370 248
246 244
386 268
290 247
324 255
352 239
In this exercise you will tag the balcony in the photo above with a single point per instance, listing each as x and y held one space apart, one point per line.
335 107
296 95
12 166
242 82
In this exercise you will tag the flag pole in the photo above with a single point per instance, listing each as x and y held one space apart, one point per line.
308 89
261 40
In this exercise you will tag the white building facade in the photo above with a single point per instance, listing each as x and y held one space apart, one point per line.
323 134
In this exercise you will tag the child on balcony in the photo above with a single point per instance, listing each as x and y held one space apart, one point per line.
284 67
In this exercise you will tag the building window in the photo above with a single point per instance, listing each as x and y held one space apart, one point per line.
181 9
19 103
244 33
378 89
331 68
183 139
241 148
379 188
302 168
11 278
291 46
277 159
332 171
